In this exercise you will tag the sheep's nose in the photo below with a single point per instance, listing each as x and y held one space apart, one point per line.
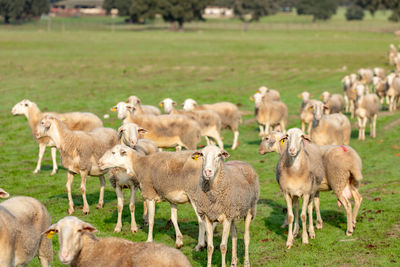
133 144
261 151
207 173
292 150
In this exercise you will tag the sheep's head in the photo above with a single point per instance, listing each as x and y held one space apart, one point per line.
45 126
133 100
189 104
128 133
123 109
272 143
212 158
70 231
317 108
325 96
118 156
263 90
295 141
305 96
168 104
258 99
21 108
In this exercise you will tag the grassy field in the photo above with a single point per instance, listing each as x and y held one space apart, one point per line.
81 69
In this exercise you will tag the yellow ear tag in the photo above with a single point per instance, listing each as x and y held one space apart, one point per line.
252 99
310 108
161 104
282 142
196 157
63 119
50 234
113 109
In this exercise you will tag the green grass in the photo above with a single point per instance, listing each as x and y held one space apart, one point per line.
90 68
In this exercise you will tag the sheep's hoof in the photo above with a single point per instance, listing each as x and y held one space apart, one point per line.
85 210
100 206
312 234
289 244
246 263
179 244
199 247
36 170
348 233
117 229
234 262
319 225
70 210
284 225
134 230
54 172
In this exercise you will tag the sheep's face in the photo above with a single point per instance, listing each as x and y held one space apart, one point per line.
353 78
325 96
212 158
128 133
133 100
21 108
305 96
168 104
257 98
295 141
117 157
376 80
44 127
189 104
317 108
263 90
360 89
70 231
271 143
123 109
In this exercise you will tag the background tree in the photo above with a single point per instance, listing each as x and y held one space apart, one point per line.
288 5
141 10
20 10
319 9
354 12
123 6
373 5
253 10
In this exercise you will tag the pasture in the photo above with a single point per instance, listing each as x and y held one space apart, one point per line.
80 69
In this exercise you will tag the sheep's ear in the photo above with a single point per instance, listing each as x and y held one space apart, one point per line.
161 104
139 101
320 97
283 140
224 154
251 98
113 109
196 155
120 132
3 193
173 103
326 107
142 131
299 96
306 138
51 231
130 107
86 227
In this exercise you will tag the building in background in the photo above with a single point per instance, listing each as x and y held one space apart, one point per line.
218 12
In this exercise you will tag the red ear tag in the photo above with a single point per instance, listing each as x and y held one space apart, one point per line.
344 148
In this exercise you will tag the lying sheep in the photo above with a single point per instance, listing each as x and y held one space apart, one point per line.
367 108
228 112
226 193
168 176
22 221
80 152
269 113
334 103
269 93
79 247
332 129
209 121
299 173
164 130
142 109
394 93
73 120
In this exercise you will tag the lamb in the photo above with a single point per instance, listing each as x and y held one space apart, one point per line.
80 152
164 130
209 121
226 193
332 129
168 176
74 120
335 102
22 221
269 93
142 109
228 112
299 173
269 113
366 76
79 247
394 93
367 108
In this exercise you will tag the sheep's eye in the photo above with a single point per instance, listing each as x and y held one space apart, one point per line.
113 153
26 105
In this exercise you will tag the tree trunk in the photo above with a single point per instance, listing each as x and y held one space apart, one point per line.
7 19
180 23
173 26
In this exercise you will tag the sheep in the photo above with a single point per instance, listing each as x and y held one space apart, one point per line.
397 63
366 76
22 221
271 143
306 116
74 120
209 121
164 130
299 173
168 176
80 152
80 247
367 108
331 129
228 112
392 54
269 93
347 84
128 135
226 193
269 113
394 93
379 72
381 88
335 102
142 109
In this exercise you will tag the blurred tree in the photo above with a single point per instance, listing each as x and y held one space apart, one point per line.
354 12
141 10
20 10
222 3
253 10
373 5
123 6
320 9
288 5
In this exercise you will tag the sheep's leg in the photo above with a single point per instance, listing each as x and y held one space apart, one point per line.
359 121
101 196
285 222
151 209
54 159
317 211
70 178
267 128
85 209
132 199
120 199
201 243
387 100
234 245
145 213
347 205
217 137
364 125
352 109
210 245
357 203
235 139
296 216
42 148
289 242
178 148
311 231
306 199
283 127
224 240
45 253
346 101
247 238
309 128
303 126
261 127
374 125
174 219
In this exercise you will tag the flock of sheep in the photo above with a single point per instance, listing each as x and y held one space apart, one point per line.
219 191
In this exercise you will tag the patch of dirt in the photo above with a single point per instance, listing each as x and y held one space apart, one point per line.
394 232
392 124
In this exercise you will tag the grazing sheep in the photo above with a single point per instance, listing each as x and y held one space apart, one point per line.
228 112
209 121
164 130
73 120
331 129
163 176
226 193
22 222
271 143
392 54
269 93
394 93
269 113
299 173
79 247
367 108
366 76
379 72
80 152
335 102
142 109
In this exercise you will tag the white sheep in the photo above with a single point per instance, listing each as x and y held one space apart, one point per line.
269 93
367 108
334 102
142 109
